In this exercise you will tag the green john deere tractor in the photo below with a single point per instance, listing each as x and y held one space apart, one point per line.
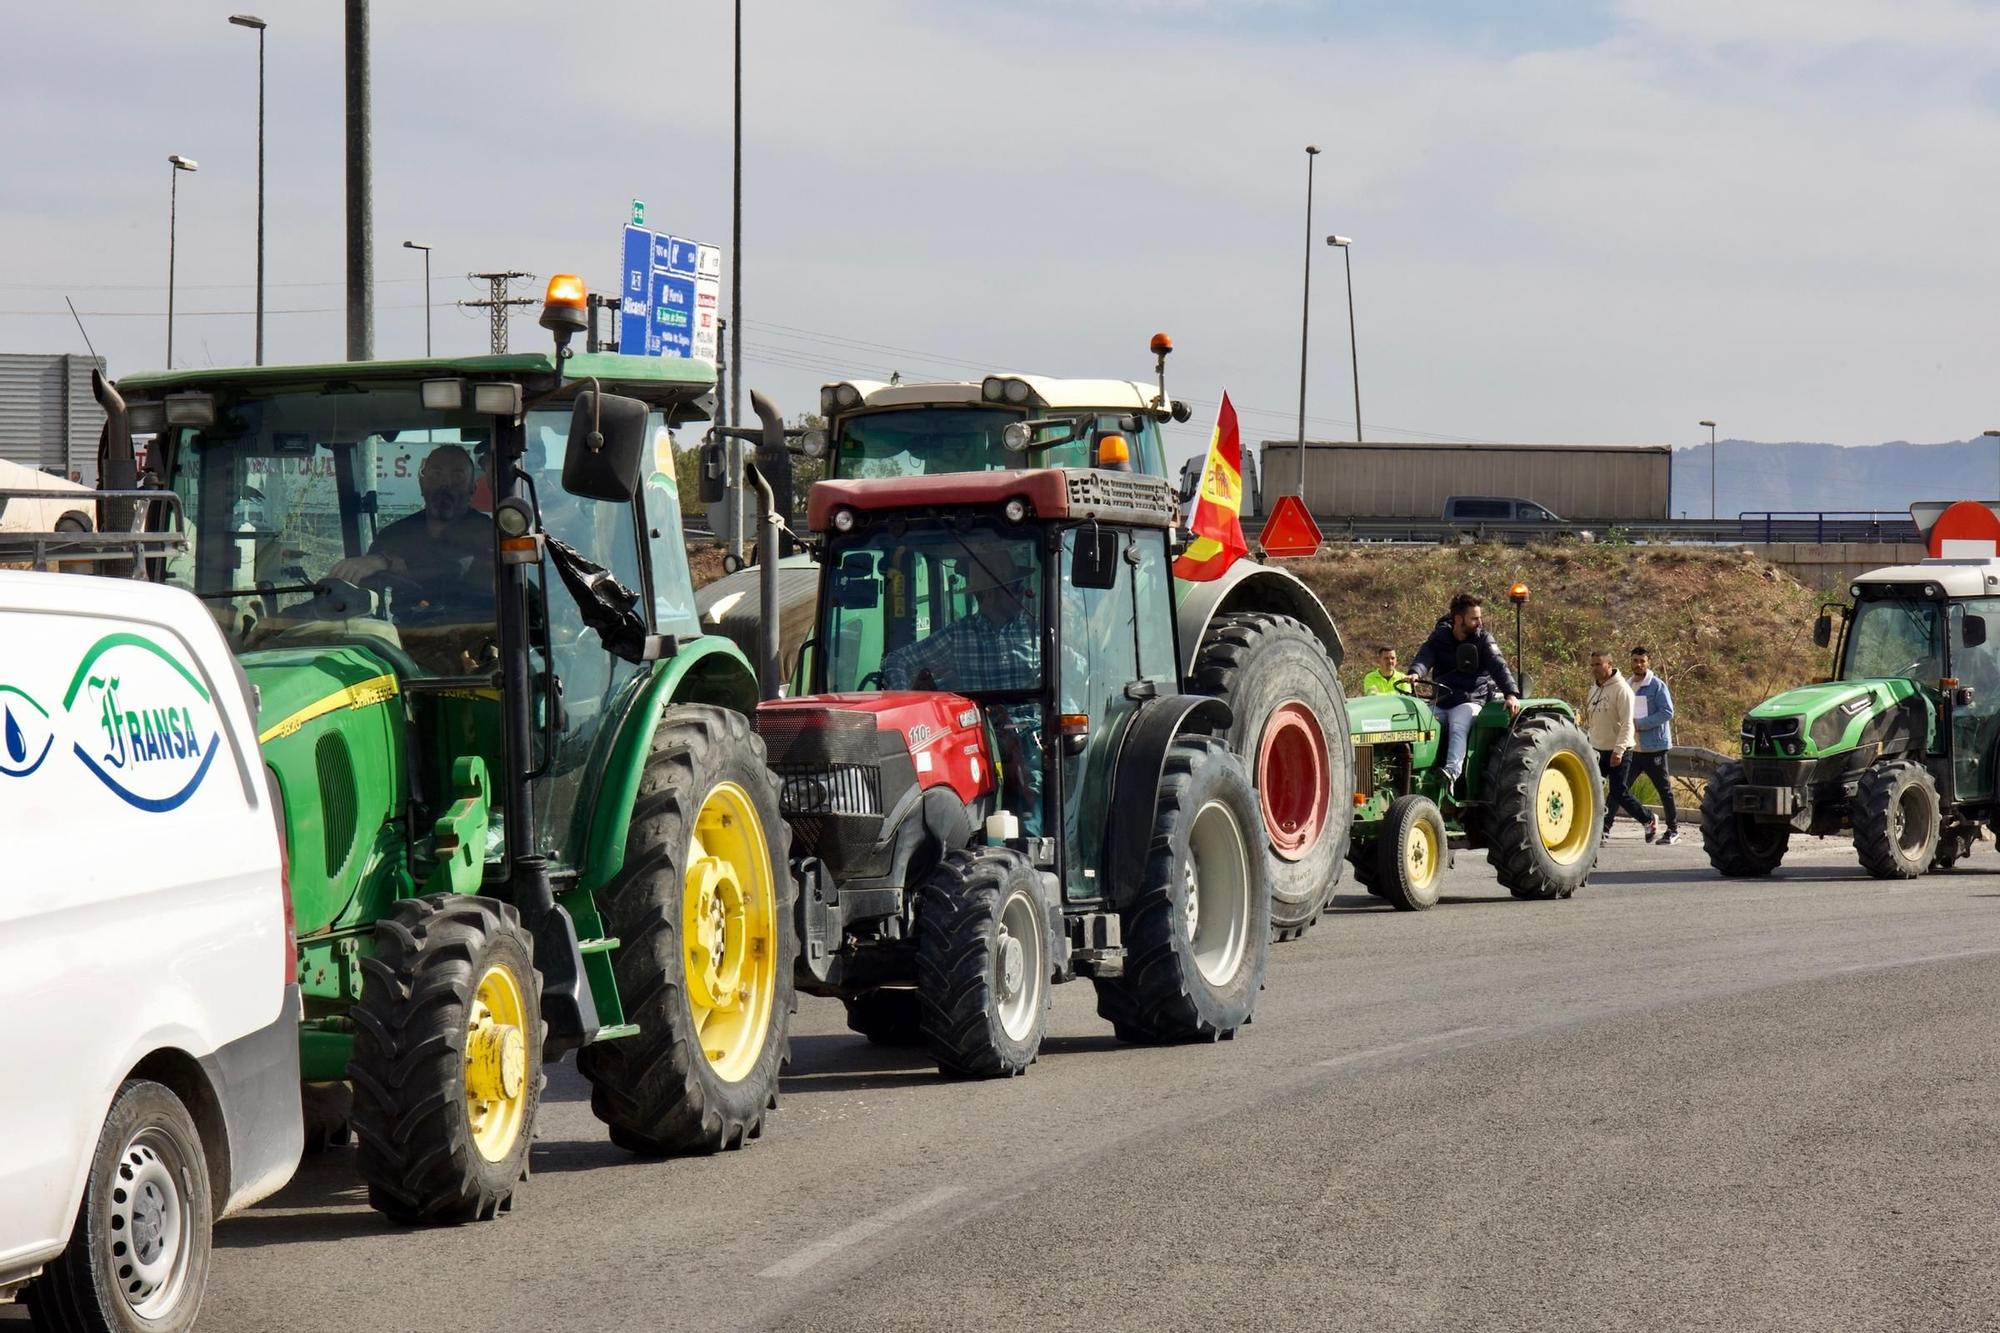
1530 795
524 807
1898 746
1257 637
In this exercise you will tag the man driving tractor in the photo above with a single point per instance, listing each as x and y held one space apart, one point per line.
1469 669
445 548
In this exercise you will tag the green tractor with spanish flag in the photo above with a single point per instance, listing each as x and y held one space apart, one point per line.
1247 632
525 811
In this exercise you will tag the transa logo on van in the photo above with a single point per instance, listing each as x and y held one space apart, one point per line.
141 722
27 733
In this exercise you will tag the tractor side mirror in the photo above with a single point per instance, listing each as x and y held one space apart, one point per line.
1823 631
1974 630
1096 563
713 465
1467 657
855 586
607 446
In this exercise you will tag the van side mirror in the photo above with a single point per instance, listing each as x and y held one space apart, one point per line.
1823 631
607 446
1096 563
1974 630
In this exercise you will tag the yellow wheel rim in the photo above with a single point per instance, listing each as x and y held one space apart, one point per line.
1566 808
729 922
1420 854
496 1063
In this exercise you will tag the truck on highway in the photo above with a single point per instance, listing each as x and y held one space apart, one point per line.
146 958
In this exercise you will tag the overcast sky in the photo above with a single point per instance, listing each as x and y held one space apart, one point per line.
1573 221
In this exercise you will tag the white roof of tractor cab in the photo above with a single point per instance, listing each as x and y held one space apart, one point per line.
1965 539
1957 578
1059 395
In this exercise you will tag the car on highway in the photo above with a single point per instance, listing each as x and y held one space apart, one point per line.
146 960
1495 509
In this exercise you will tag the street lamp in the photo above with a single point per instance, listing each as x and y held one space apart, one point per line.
178 165
1305 318
1711 469
253 22
412 245
1345 244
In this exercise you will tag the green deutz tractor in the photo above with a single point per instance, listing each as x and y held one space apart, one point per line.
524 807
1530 795
1257 637
1899 745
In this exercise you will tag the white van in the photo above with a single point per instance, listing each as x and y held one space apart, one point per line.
148 1002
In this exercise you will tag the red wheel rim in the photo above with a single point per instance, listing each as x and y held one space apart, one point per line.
1294 784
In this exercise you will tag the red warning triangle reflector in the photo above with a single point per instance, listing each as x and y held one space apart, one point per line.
1290 531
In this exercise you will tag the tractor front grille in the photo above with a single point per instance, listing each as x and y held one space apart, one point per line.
829 769
843 789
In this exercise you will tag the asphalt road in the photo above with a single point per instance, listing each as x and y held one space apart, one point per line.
1671 1103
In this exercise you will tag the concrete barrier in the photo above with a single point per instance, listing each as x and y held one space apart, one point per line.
1832 565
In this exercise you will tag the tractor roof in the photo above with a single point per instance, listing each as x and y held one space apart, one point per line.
1955 578
1051 493
1057 395
654 378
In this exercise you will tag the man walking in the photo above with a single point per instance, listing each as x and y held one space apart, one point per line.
1382 680
1607 716
1469 670
1652 719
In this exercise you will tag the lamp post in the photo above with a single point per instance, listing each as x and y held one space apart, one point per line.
1345 244
1711 469
177 164
1305 319
253 22
412 245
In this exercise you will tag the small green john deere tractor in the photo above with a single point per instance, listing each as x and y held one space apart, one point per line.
524 807
1530 795
1901 745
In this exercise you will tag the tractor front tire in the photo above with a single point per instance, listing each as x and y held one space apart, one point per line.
447 1063
989 931
1197 928
1738 846
138 1258
1545 808
1412 854
1290 727
887 1017
702 908
1895 817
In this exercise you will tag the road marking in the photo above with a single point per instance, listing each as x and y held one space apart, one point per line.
797 1263
1917 961
1431 1040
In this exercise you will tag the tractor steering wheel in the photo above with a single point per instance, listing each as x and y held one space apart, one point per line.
874 680
1418 687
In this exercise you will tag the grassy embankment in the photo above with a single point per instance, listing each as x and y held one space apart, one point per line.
1726 629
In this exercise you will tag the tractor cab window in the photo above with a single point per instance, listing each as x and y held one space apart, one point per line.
1896 636
1102 645
341 515
1976 726
913 442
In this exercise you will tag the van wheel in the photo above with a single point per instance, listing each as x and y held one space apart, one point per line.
138 1257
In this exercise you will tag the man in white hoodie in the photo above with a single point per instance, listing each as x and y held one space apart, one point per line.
1607 716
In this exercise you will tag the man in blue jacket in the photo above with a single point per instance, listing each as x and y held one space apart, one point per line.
1467 666
1652 719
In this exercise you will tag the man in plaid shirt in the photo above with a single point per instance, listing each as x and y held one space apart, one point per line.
997 648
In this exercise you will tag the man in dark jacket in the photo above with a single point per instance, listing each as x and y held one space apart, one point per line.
1465 662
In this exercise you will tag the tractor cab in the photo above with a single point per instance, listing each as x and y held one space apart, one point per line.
996 717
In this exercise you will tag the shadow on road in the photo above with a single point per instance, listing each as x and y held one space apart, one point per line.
841 1062
324 1201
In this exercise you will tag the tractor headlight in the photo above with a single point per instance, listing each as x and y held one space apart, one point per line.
845 520
512 517
190 409
992 389
846 395
1016 436
1015 509
813 443
1017 391
827 407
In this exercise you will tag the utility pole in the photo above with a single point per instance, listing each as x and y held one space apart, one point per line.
736 257
497 302
1305 319
360 194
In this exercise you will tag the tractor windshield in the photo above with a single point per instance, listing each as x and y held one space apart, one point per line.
1896 636
916 441
934 606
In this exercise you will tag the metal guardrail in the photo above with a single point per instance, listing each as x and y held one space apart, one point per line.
1816 528
87 546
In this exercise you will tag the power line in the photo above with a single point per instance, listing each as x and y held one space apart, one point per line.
498 302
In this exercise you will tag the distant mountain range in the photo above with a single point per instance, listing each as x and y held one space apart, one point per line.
1882 477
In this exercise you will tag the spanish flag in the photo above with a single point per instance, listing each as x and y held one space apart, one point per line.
1218 533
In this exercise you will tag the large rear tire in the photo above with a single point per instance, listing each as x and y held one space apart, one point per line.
703 909
138 1258
1545 808
1738 846
1198 927
1290 727
988 935
1412 854
447 1063
1895 817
